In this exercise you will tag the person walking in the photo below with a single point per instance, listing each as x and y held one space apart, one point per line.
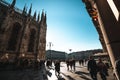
48 64
102 69
73 64
92 68
68 64
57 68
117 69
80 62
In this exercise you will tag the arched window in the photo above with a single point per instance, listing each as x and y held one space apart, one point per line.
31 43
13 40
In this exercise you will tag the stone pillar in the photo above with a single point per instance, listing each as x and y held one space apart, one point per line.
110 28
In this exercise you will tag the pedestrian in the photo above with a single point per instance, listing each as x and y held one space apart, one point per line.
117 69
80 62
68 64
73 64
48 63
92 68
57 68
86 61
102 69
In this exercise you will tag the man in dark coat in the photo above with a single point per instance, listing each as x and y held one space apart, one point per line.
92 67
57 68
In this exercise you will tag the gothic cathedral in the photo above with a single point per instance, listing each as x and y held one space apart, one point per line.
21 35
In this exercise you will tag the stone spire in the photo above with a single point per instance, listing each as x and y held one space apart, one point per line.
29 13
38 18
24 10
42 15
45 18
13 4
34 16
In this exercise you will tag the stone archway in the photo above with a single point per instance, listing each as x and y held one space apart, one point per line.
14 36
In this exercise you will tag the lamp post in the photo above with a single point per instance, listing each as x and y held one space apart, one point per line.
70 52
50 44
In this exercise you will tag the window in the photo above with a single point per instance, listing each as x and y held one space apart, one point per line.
13 40
31 43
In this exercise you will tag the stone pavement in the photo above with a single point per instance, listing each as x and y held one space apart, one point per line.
81 73
23 74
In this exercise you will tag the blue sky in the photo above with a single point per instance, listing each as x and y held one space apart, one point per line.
68 24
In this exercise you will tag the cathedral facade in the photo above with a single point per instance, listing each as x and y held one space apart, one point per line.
21 35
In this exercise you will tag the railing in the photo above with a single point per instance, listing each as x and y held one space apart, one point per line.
8 4
4 3
18 10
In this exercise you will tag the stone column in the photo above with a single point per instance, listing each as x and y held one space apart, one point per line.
110 28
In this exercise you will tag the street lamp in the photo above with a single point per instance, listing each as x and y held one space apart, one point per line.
70 52
50 44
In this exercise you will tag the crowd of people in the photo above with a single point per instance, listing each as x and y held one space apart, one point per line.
56 66
70 64
93 67
99 67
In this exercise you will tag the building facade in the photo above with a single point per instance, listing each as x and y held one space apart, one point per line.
105 15
21 35
55 55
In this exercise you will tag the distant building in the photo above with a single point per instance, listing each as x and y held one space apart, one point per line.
55 55
21 35
83 54
101 55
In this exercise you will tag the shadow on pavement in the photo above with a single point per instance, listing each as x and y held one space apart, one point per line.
60 78
83 75
69 77
49 73
79 66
